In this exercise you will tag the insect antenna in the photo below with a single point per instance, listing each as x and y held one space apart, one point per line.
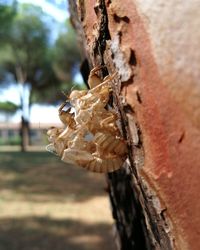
66 95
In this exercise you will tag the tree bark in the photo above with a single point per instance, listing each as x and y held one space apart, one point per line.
154 196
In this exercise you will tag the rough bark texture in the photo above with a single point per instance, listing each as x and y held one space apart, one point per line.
154 48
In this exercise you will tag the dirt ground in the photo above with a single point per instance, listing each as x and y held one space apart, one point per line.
48 205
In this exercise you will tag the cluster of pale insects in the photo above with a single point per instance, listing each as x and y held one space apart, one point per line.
90 137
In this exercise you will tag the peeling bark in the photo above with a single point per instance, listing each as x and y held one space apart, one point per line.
143 193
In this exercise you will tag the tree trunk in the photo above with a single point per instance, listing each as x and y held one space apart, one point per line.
24 133
21 77
152 47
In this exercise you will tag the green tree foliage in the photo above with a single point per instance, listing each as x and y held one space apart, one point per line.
65 59
7 14
28 56
25 54
66 54
8 107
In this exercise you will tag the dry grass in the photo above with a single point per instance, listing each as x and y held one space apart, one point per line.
48 205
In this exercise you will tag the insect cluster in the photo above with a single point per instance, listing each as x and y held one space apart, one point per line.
91 137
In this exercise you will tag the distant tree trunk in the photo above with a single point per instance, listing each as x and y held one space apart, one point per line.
30 103
155 196
24 129
24 133
21 77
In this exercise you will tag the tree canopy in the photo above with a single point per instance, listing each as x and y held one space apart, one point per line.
27 53
8 107
29 56
66 54
7 14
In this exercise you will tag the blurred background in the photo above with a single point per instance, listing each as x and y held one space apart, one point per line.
44 203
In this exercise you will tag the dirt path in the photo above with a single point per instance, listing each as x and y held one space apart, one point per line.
48 205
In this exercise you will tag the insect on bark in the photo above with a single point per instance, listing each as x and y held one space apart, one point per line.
90 137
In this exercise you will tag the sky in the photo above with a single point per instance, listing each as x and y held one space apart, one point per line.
55 8
39 114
